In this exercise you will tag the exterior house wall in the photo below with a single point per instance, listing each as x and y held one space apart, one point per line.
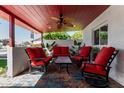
114 17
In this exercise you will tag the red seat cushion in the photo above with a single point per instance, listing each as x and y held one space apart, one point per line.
76 58
64 55
47 59
93 69
85 51
37 63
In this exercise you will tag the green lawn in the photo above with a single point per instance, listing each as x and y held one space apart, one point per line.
3 63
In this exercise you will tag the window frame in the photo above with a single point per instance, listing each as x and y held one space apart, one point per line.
98 28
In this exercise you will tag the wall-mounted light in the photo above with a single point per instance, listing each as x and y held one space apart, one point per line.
74 25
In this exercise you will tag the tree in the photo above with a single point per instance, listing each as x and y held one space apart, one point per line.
78 35
56 36
4 42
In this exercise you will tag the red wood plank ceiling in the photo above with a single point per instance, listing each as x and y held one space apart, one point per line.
40 15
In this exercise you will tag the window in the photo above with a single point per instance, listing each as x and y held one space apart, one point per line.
100 35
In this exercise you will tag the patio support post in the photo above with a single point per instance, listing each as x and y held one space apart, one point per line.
10 50
12 31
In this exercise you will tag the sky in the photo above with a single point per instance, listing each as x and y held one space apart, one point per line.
71 33
21 34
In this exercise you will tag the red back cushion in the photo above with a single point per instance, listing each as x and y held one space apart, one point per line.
104 55
35 53
65 50
41 52
85 51
32 53
56 50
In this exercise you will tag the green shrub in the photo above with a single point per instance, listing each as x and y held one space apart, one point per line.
56 36
95 51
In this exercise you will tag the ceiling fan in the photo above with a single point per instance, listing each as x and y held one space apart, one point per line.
62 21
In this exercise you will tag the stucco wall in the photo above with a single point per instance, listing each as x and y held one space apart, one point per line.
62 42
114 17
17 60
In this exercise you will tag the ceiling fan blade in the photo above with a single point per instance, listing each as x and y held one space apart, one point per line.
67 19
54 18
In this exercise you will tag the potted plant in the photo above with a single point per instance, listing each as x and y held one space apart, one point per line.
49 47
95 51
75 48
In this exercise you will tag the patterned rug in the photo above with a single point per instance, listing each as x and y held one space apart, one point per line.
56 78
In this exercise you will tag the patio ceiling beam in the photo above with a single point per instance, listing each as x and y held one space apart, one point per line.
23 21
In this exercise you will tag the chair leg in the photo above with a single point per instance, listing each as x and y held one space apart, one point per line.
82 73
30 69
107 78
89 59
42 69
79 63
46 68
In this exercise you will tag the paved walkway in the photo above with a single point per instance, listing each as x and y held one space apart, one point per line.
24 80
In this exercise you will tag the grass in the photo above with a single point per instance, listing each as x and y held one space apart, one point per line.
3 66
3 63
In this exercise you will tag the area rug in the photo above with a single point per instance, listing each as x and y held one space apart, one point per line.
56 78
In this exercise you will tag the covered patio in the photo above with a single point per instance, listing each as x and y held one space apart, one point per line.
91 19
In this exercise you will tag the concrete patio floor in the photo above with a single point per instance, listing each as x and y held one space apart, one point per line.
24 80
